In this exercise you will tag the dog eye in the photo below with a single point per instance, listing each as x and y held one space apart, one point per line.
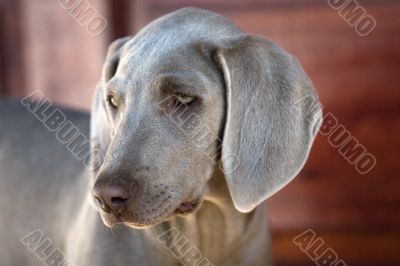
112 102
183 99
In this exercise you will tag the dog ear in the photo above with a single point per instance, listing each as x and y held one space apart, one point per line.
272 117
101 125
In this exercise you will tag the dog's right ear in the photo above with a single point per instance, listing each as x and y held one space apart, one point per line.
100 127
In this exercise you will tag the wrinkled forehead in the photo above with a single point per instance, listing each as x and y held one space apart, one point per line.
155 55
172 45
158 62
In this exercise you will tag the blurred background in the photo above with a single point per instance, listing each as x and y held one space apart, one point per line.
58 46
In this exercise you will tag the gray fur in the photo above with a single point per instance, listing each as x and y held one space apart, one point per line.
250 98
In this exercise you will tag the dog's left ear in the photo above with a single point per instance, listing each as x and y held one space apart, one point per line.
272 117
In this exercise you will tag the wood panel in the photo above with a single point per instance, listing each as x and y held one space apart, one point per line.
12 80
354 248
119 18
61 58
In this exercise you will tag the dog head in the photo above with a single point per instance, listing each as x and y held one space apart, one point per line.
187 95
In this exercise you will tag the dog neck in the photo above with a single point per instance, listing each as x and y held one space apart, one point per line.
217 227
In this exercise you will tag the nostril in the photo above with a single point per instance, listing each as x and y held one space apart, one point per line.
112 197
118 200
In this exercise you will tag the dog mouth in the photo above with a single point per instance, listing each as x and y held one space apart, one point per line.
188 207
112 219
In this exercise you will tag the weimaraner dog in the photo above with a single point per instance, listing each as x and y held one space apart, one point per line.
194 124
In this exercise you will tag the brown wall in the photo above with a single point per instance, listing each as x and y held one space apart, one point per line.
43 47
357 79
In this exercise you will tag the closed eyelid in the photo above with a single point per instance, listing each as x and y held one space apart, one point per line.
173 84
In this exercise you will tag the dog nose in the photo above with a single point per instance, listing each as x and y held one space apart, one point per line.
111 197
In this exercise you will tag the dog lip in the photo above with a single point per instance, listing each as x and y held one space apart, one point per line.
187 207
138 226
110 219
